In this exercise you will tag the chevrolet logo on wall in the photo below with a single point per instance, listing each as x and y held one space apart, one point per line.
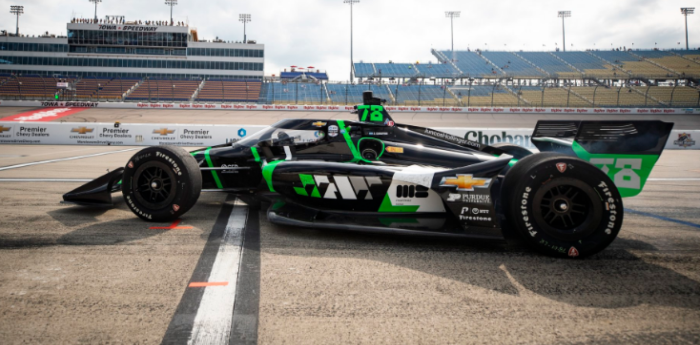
163 131
81 130
465 183
4 129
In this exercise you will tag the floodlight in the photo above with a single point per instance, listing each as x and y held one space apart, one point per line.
562 15
685 11
17 10
96 2
351 2
171 3
244 18
452 15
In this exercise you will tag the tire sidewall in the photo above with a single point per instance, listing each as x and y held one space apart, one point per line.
545 172
182 181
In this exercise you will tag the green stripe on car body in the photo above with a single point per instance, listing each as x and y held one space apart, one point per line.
356 157
629 172
255 154
267 171
211 165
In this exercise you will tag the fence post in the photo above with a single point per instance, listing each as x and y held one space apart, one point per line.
646 95
542 98
670 104
419 87
594 91
493 91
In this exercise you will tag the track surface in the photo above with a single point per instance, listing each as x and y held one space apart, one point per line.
90 275
270 117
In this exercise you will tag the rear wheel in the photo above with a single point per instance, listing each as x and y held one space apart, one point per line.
561 205
161 183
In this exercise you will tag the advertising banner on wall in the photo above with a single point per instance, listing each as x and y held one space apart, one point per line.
98 134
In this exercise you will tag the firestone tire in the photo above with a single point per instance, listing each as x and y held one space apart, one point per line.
562 206
161 183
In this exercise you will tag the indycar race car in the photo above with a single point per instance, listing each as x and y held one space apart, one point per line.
378 176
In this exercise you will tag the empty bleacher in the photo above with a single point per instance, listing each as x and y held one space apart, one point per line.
296 93
681 96
395 70
550 64
512 65
229 90
632 63
31 86
364 70
485 95
669 60
439 70
154 90
551 97
589 64
424 95
352 94
472 65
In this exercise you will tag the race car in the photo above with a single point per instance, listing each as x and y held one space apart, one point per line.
379 176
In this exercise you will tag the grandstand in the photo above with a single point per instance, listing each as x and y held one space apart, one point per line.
634 64
423 95
352 94
512 65
364 70
156 90
31 86
229 90
440 70
676 63
550 64
486 95
296 93
471 64
395 70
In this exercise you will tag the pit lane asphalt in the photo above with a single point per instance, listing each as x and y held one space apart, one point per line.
74 275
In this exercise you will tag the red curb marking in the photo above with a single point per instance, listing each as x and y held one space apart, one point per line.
172 226
43 114
205 284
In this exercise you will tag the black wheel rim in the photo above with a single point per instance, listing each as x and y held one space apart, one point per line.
567 209
155 185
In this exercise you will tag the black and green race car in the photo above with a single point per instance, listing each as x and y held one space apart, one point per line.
378 176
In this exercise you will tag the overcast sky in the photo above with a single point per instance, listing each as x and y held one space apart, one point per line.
317 32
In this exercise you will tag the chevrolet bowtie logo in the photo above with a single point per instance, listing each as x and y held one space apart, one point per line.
4 129
163 131
465 183
81 130
318 124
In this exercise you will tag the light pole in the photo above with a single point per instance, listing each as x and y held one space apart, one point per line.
686 11
17 10
452 15
171 3
96 2
562 15
244 18
351 2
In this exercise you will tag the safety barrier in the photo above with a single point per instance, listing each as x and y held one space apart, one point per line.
97 134
336 108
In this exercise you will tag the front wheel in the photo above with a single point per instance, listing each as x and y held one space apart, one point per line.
561 205
161 183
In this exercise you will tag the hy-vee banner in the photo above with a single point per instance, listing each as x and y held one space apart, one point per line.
97 134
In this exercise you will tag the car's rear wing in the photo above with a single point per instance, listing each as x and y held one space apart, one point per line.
625 150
